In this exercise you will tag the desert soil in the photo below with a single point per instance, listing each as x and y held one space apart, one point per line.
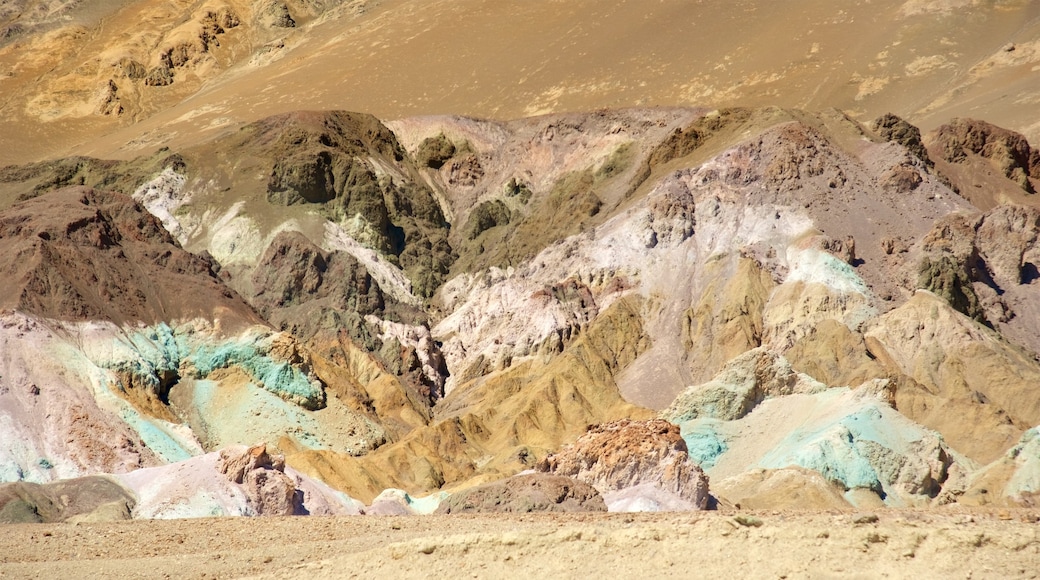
888 543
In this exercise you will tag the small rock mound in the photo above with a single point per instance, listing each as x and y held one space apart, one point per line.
532 492
892 128
270 491
786 488
95 498
625 454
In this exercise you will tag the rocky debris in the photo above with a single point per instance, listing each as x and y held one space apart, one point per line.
532 492
623 454
269 490
1007 150
95 498
748 521
864 518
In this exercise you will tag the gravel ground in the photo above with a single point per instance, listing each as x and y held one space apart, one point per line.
885 543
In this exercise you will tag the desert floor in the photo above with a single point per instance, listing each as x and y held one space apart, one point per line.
886 543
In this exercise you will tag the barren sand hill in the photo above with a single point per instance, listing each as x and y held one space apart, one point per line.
117 79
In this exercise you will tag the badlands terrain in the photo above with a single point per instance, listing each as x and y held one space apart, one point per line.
525 272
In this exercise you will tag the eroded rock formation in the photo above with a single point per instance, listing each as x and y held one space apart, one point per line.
623 456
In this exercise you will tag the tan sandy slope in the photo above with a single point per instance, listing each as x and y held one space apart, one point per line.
121 78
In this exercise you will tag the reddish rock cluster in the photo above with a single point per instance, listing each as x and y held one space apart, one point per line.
624 454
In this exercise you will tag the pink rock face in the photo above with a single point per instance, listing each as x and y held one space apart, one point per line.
270 491
625 454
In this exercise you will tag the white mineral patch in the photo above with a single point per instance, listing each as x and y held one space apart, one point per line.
416 337
162 197
234 239
389 277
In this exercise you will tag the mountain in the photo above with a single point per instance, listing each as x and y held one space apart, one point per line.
805 276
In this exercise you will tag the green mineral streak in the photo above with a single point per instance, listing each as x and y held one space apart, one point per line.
838 459
846 450
703 442
839 269
155 438
279 378
161 350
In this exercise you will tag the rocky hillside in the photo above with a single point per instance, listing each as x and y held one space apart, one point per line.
401 256
775 307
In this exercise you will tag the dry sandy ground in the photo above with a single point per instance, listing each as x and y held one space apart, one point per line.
936 544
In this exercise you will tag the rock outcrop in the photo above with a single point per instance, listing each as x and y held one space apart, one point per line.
966 381
795 488
236 481
745 382
623 455
456 299
269 490
85 254
1009 151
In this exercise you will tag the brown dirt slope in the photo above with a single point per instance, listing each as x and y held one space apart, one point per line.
84 254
